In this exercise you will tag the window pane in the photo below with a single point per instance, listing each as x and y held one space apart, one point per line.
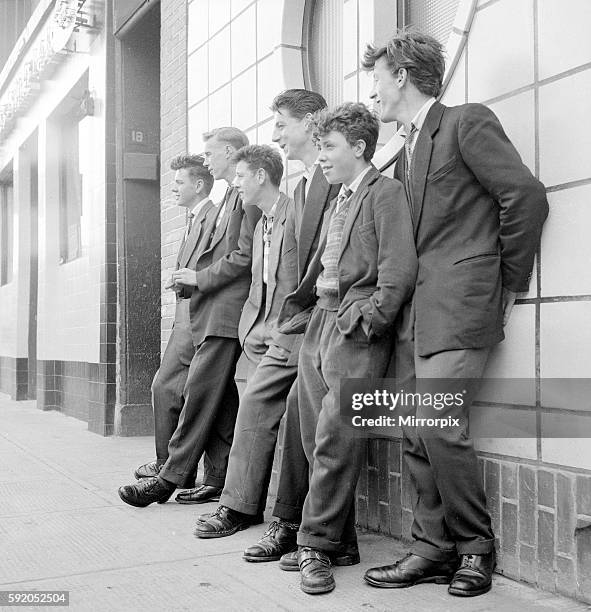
434 17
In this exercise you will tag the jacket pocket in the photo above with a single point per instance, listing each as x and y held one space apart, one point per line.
446 168
471 258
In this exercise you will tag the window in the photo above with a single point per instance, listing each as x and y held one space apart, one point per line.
70 190
6 230
433 17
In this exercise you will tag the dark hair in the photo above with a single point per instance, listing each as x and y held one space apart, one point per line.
420 54
262 156
299 102
194 165
354 121
230 135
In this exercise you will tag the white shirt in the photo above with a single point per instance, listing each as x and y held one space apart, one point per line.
194 211
418 121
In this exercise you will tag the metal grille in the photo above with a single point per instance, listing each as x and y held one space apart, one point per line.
325 49
434 17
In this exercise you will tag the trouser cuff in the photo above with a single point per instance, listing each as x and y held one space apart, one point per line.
240 506
307 539
428 551
476 547
293 514
209 480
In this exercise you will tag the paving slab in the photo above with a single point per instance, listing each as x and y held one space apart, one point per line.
63 526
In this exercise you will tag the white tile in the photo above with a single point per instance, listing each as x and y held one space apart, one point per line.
495 430
264 133
219 59
197 75
455 92
565 353
564 40
514 357
500 49
565 125
517 116
219 15
291 68
350 89
291 18
244 112
350 42
573 452
198 124
268 26
239 5
268 76
566 249
197 29
365 87
220 108
243 41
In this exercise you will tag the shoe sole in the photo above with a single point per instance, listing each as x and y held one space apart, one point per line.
208 535
190 501
317 590
395 585
462 593
252 559
335 563
136 505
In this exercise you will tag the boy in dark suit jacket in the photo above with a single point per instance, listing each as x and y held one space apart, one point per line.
477 215
361 274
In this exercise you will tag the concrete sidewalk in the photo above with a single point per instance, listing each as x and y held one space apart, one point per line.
63 526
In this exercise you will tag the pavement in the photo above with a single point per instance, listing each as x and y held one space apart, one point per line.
63 527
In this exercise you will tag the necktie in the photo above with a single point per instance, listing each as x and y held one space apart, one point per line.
189 224
267 233
409 145
343 196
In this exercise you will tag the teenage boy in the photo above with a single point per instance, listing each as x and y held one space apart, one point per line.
478 214
261 410
361 274
259 169
218 284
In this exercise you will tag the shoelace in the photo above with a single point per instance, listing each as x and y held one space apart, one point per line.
468 561
316 556
272 530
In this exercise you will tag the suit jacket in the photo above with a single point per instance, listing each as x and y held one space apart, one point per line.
477 214
377 263
223 270
281 274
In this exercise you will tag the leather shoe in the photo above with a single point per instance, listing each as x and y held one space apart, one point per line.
315 571
257 519
279 539
148 470
474 576
199 495
146 492
223 522
409 571
349 556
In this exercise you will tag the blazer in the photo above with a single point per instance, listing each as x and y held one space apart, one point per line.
377 263
303 226
223 265
477 215
282 277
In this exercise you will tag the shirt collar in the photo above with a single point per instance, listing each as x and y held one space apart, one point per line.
271 213
419 118
197 208
309 172
355 182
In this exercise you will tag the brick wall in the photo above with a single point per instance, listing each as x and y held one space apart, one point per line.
541 515
173 128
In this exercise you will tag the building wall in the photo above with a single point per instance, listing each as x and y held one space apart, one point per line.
72 296
241 53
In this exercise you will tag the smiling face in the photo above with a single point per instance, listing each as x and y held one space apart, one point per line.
248 183
291 134
216 158
386 91
184 188
338 159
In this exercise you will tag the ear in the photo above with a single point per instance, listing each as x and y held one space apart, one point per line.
401 77
308 118
199 183
359 148
229 151
261 175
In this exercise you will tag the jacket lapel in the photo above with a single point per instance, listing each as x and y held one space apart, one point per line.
421 160
355 204
220 231
193 237
313 211
276 246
